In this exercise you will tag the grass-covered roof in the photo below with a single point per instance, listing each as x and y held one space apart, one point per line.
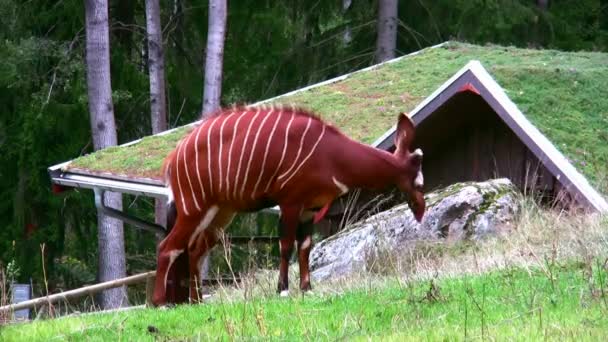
565 94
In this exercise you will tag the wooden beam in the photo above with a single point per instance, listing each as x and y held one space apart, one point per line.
83 291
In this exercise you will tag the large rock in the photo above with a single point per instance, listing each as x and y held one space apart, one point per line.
460 211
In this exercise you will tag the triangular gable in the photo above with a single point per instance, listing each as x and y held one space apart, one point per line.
474 77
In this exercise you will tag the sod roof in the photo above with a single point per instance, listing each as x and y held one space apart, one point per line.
565 94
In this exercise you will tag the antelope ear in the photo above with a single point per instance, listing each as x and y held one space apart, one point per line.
405 132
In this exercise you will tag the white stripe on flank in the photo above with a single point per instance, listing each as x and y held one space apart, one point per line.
205 222
255 141
295 161
188 174
238 170
209 155
198 168
284 150
219 155
255 188
305 159
236 126
179 183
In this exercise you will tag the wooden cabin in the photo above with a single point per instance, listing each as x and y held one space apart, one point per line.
471 131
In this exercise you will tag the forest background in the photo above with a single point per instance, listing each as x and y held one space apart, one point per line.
271 47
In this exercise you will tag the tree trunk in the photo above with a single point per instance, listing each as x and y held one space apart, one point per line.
216 35
214 60
156 65
110 231
537 33
347 35
158 102
386 41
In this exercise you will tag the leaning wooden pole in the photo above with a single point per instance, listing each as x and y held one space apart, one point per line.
83 291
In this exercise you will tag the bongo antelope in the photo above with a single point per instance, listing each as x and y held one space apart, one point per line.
245 159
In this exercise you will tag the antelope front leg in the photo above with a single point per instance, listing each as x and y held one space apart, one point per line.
287 235
205 237
197 251
168 251
304 237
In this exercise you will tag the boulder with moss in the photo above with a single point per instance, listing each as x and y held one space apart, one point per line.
468 210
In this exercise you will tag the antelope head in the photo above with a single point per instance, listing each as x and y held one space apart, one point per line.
410 180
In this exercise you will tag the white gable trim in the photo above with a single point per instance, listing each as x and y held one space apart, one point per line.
423 104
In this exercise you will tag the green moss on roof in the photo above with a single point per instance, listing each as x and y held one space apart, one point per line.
141 160
564 94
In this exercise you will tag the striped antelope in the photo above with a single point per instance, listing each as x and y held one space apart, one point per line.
249 158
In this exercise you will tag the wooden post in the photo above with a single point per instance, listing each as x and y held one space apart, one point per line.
150 281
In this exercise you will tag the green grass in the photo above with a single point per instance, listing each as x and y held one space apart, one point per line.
562 93
551 302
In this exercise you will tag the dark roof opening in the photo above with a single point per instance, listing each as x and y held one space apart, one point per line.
466 140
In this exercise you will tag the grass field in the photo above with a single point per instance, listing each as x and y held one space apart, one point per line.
548 279
560 301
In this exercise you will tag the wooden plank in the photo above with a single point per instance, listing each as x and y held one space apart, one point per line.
502 153
256 239
474 153
221 280
487 151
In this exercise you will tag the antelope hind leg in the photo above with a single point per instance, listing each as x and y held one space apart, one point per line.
287 234
304 238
